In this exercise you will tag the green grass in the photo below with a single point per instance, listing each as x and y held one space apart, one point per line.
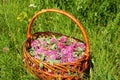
101 19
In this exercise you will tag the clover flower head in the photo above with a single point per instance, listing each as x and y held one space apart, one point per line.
67 55
51 54
40 50
60 45
81 45
35 43
63 39
53 40
37 57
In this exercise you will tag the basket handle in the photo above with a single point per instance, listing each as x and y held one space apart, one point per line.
29 35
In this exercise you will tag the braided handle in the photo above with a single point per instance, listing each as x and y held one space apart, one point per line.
29 35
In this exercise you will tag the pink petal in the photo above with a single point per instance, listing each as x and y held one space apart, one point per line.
63 39
60 45
81 45
53 40
40 50
37 57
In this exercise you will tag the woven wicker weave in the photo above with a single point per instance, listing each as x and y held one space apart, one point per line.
79 66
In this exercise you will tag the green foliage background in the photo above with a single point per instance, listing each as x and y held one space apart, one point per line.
100 18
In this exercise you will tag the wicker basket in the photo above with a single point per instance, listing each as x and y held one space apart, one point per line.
80 65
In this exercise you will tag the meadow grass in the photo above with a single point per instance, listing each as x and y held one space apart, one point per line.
101 19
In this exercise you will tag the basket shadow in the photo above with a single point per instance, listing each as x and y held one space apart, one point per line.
87 72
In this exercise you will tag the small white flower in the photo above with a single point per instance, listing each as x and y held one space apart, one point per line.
32 5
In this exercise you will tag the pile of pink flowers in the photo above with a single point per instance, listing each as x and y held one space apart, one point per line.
56 49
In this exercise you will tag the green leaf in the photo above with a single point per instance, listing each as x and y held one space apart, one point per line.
67 42
42 57
76 54
53 46
75 74
79 49
69 73
48 41
32 51
57 61
51 62
81 75
41 65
